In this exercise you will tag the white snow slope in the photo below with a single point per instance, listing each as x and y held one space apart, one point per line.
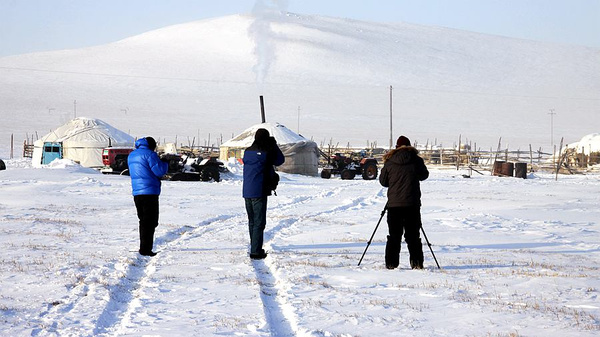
519 258
326 78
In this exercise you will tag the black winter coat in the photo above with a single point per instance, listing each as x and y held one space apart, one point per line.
402 171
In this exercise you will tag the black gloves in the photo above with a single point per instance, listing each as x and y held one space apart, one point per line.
167 157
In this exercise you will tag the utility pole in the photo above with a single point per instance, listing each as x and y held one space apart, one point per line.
391 130
298 119
552 113
75 109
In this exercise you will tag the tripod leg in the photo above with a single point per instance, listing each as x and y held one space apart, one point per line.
430 249
372 235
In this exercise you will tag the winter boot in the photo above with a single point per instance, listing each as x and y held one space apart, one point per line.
259 256
392 253
416 264
415 249
146 241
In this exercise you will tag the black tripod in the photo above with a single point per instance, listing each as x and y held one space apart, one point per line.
371 239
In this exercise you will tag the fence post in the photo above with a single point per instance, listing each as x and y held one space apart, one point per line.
530 158
559 157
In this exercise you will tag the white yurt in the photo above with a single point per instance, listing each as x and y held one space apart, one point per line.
83 140
301 154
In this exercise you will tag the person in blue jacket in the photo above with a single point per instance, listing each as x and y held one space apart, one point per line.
259 179
145 169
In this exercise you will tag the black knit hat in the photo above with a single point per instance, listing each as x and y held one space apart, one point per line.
261 135
402 141
151 143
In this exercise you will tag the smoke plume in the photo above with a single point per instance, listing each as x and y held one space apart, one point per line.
265 13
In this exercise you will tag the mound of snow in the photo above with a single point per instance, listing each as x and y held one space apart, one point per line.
69 165
588 144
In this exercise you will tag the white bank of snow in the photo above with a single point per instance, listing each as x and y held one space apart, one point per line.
519 257
588 144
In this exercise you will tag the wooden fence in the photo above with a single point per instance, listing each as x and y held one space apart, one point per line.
481 161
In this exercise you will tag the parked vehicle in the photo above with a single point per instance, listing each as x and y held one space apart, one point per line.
115 160
348 167
183 168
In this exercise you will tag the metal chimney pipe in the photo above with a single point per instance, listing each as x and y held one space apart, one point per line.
262 109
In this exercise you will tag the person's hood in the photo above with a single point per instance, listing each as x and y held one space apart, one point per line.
142 143
401 155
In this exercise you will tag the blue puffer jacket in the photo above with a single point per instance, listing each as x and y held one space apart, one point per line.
145 169
257 164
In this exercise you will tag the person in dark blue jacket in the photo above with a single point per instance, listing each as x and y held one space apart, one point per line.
145 169
259 175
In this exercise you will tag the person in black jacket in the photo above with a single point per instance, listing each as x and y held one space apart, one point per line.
402 172
259 175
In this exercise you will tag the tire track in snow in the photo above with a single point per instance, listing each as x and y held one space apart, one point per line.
105 303
115 304
279 313
118 312
118 316
62 317
289 221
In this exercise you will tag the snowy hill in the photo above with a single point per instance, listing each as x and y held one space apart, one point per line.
327 78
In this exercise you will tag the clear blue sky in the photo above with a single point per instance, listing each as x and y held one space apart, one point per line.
40 25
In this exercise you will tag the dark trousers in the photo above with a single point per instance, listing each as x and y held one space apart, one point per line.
407 221
147 211
257 220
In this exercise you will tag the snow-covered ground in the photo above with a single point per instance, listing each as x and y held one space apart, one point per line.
519 258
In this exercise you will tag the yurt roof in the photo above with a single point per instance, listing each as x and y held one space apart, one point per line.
83 131
282 135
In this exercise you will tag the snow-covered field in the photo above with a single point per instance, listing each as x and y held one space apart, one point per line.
519 258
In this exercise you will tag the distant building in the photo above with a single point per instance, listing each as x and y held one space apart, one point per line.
301 154
80 140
